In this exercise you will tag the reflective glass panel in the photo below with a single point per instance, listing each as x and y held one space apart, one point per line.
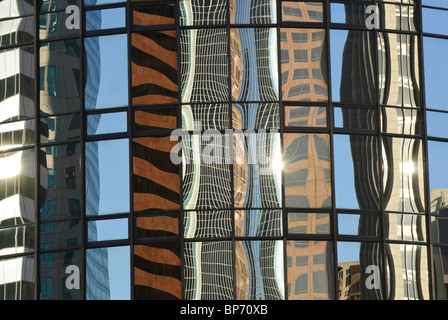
156 177
16 240
60 77
206 172
208 270
53 276
308 223
402 121
259 270
403 175
60 181
355 118
17 84
350 51
16 31
61 234
254 64
106 87
205 116
303 57
154 67
257 169
99 2
435 3
107 185
258 223
157 226
405 227
440 264
398 60
157 271
398 17
153 119
302 11
435 21
208 224
438 176
305 116
193 12
53 25
436 73
154 14
368 225
436 124
204 65
407 272
11 9
17 179
54 5
110 229
248 12
107 123
17 134
439 229
307 170
352 14
17 277
105 19
356 172
60 128
255 116
359 264
108 273
310 270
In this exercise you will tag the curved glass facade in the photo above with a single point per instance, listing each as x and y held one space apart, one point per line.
223 150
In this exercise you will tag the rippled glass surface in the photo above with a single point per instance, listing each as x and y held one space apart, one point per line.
307 170
61 181
60 77
208 224
107 19
408 272
356 172
53 25
404 121
60 234
154 14
303 116
254 64
210 12
204 65
257 168
107 177
157 226
106 87
302 11
367 225
405 227
303 57
155 118
19 271
108 273
440 264
438 177
17 31
258 223
253 12
54 5
17 134
154 67
156 177
205 116
110 229
157 271
12 9
255 116
352 50
16 240
355 118
403 175
17 82
354 276
259 270
308 223
60 128
107 123
310 270
208 270
17 187
53 278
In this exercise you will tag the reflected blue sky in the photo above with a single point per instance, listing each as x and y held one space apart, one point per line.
436 72
436 3
435 21
110 18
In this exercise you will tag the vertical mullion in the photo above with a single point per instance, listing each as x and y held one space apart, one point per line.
37 153
84 226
